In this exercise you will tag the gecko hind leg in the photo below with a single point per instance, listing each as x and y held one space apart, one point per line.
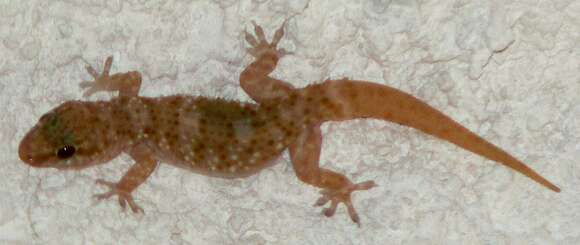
336 188
259 44
254 79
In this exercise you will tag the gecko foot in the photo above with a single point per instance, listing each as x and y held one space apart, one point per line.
342 196
100 82
127 84
124 197
259 44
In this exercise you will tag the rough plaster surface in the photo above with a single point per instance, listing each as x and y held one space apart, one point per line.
509 70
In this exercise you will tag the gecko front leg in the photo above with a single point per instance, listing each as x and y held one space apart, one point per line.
144 166
336 188
127 84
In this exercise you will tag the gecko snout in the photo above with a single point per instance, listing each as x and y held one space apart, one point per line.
26 153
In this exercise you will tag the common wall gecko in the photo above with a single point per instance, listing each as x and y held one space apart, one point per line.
229 139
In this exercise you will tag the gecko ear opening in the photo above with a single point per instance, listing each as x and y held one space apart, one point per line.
66 152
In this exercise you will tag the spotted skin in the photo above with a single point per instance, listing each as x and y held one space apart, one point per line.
229 139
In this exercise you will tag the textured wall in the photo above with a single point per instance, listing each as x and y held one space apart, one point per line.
509 70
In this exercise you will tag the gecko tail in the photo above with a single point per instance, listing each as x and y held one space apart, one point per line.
360 99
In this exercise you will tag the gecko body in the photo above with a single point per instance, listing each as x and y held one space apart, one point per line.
229 139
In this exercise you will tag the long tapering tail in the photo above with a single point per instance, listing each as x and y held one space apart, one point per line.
360 99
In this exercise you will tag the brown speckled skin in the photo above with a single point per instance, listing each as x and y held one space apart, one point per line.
230 139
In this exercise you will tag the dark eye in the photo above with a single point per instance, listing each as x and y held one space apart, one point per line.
66 152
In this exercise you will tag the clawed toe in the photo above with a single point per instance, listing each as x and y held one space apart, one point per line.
329 212
92 72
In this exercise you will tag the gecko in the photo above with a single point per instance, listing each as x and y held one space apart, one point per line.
229 139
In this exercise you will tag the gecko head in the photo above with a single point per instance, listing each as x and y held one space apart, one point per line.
61 138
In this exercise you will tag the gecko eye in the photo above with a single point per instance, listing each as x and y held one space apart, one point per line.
66 152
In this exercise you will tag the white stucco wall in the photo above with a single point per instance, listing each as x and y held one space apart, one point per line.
508 70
